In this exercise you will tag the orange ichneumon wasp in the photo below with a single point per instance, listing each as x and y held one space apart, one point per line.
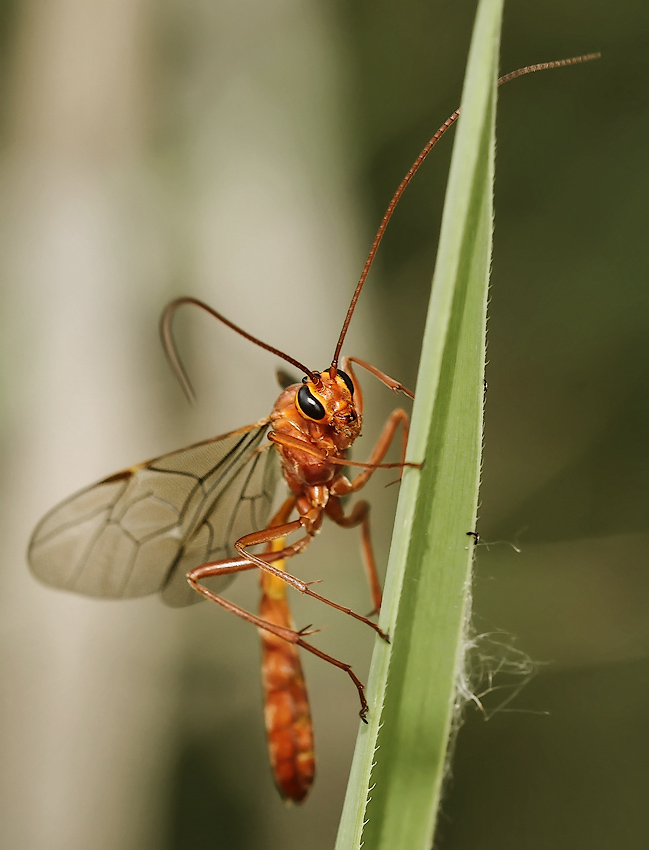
184 523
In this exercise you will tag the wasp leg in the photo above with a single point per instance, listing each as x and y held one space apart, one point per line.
360 515
398 417
389 382
269 534
301 445
290 635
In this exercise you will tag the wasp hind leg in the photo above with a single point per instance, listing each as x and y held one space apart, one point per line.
290 635
265 562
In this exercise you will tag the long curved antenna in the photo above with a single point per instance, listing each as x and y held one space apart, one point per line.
529 69
169 345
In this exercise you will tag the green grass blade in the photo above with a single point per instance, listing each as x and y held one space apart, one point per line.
399 763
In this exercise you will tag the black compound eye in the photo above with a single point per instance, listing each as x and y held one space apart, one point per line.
348 381
309 405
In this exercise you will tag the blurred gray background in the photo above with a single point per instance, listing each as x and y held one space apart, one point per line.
244 153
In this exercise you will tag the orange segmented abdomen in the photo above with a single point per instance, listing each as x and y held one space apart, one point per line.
286 711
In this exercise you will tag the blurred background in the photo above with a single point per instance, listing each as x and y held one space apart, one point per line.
244 153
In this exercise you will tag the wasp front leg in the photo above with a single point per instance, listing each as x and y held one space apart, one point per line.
389 382
397 418
361 511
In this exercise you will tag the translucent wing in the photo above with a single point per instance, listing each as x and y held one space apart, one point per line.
140 531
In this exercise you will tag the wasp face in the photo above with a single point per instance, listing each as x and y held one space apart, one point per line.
330 401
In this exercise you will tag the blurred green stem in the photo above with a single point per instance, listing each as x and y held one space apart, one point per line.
400 758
